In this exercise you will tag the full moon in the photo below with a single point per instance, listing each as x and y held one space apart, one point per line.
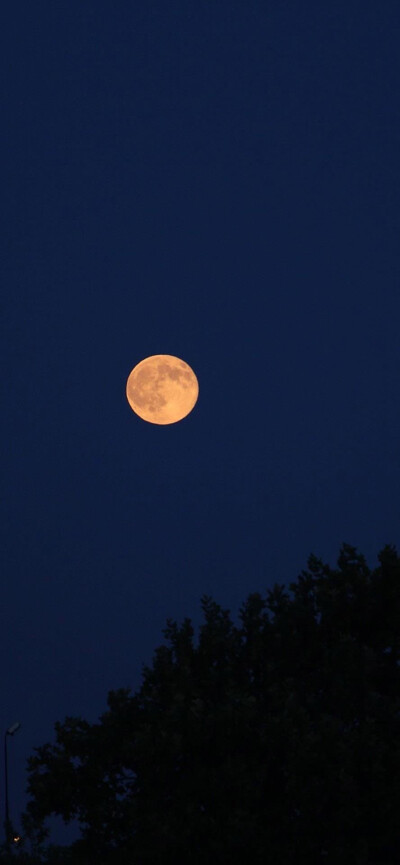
162 389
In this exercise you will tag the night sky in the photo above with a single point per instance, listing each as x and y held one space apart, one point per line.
218 181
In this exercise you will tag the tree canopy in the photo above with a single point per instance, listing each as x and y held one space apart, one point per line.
277 740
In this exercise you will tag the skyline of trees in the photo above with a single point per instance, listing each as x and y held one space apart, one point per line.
278 737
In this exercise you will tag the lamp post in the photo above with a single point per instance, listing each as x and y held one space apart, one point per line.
7 827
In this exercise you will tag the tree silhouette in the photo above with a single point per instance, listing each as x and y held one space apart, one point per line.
278 740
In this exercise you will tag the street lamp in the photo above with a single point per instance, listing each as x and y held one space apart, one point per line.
7 826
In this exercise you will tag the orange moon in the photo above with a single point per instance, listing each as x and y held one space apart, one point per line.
162 389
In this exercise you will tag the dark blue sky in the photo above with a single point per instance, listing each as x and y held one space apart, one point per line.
217 181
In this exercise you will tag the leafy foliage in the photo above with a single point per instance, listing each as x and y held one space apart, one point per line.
279 738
